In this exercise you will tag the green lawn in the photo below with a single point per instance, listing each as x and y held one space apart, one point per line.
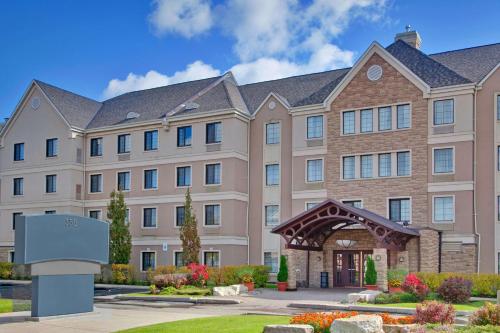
225 324
472 306
5 305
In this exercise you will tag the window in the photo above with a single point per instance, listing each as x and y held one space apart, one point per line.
272 174
353 203
212 214
366 166
50 212
384 165
51 148
214 133
123 143
384 118
348 169
95 183
151 140
183 176
123 181
11 256
271 261
14 217
19 152
498 208
178 258
184 136
444 209
443 112
366 117
399 210
348 122
151 179
50 183
149 218
211 259
403 116
403 159
95 147
179 216
148 261
498 107
315 127
272 133
498 158
212 174
315 170
95 214
443 160
272 215
310 205
18 186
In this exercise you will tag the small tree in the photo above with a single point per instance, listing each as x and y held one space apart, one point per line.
371 273
283 271
120 241
189 233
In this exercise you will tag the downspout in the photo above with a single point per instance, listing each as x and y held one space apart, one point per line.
84 161
474 196
248 191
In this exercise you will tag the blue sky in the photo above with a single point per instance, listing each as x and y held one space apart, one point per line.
103 48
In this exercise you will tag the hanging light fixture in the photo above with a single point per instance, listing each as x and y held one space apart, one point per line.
346 243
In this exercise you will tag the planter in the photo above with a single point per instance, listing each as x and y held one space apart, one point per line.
250 286
371 286
282 286
393 290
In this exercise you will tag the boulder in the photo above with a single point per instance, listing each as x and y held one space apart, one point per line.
367 296
358 324
288 329
239 289
233 290
399 328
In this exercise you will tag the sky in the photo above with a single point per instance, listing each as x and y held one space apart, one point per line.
101 49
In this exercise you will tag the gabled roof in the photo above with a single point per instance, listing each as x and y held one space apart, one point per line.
77 110
473 63
429 70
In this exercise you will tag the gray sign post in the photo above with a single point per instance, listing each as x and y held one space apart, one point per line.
64 251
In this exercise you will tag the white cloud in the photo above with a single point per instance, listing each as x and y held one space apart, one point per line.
194 71
185 17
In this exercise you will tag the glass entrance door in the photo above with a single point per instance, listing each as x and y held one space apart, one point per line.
347 268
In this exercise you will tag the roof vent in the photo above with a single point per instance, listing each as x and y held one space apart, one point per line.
132 115
191 106
374 73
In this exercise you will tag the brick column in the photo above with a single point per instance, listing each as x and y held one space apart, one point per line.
380 258
403 260
429 250
292 269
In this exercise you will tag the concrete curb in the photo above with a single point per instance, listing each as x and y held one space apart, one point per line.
193 300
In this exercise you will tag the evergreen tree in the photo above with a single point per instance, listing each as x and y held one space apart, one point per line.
283 271
371 273
189 234
120 241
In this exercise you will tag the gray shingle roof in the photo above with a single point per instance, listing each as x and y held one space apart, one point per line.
76 109
472 63
429 70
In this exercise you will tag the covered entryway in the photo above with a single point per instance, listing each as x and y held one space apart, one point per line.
337 238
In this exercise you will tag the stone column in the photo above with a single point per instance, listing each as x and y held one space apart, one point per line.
380 258
429 250
292 270
403 260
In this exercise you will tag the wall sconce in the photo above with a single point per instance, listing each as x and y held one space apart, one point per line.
346 243
378 257
319 258
401 259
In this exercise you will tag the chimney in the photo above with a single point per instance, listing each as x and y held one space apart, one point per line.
410 36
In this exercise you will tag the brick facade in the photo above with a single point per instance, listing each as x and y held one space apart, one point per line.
462 260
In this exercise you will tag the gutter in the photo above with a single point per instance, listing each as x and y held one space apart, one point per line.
474 168
248 190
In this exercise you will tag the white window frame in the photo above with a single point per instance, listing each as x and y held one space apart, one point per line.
205 173
434 173
95 210
130 179
157 140
203 256
127 216
434 197
101 183
156 259
391 128
342 168
322 127
10 256
102 147
175 215
361 121
361 166
177 137
173 256
279 130
144 180
433 103
220 215
221 132
322 159
56 149
156 217
270 226
190 176
130 146
410 115
279 174
410 166
310 202
388 208
55 184
353 199
342 123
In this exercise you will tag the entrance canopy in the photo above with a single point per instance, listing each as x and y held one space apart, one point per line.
310 230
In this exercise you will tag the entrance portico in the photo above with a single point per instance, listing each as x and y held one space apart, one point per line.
337 238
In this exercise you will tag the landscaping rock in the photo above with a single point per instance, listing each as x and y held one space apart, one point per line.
367 296
398 328
358 324
288 329
239 289
233 290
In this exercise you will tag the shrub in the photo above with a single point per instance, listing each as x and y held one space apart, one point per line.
395 298
320 321
482 284
153 290
170 280
413 285
283 271
122 273
260 275
246 275
434 312
6 270
186 291
198 275
455 290
371 273
396 277
489 314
